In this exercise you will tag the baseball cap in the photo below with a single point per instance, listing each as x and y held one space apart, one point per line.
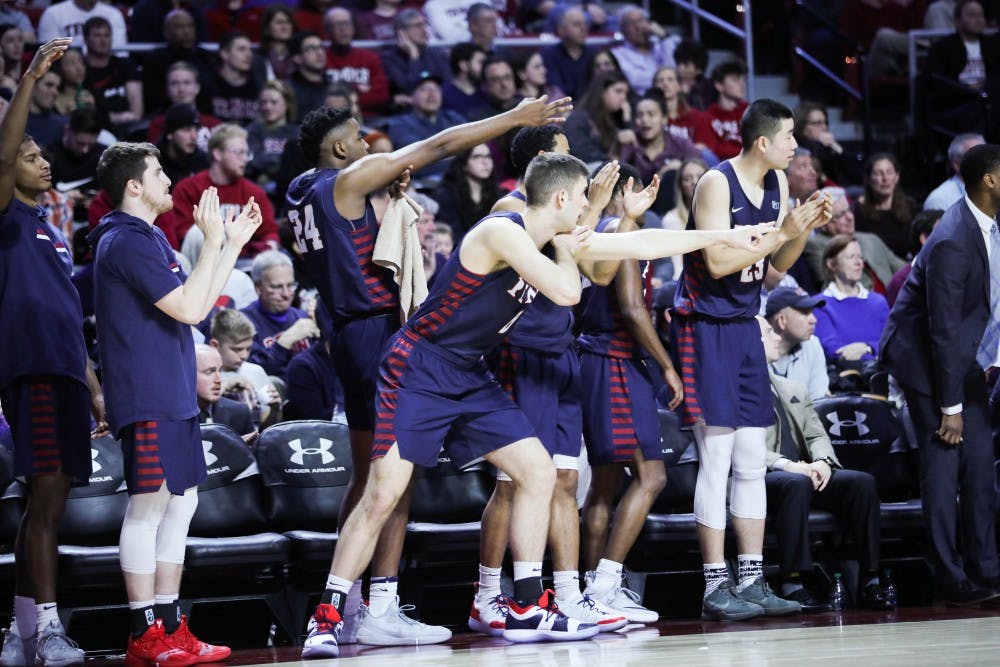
426 75
796 297
178 116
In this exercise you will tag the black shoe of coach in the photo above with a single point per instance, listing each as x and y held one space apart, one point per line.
965 594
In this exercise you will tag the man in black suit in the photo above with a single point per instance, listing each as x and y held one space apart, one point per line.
214 407
942 334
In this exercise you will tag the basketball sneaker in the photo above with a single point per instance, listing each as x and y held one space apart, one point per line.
760 593
544 621
395 628
16 651
588 610
488 616
151 649
322 631
725 604
185 640
620 600
55 649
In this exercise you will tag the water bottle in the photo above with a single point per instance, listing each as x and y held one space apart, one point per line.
889 588
837 595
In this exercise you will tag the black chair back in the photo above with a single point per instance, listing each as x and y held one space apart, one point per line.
94 513
448 494
680 457
231 498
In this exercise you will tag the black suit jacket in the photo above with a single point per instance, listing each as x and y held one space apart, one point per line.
232 413
937 324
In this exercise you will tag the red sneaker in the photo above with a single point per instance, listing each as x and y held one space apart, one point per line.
153 650
185 640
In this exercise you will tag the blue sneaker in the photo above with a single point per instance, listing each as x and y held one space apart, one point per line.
544 621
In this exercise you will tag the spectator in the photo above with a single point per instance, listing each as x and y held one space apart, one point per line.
180 155
409 60
229 155
183 87
308 80
603 61
483 28
531 77
73 159
850 324
879 261
682 120
12 53
800 356
312 388
802 177
45 125
361 68
114 82
725 114
276 33
953 189
884 208
601 120
380 22
181 45
923 224
501 91
688 175
427 229
66 19
425 119
657 151
468 190
233 91
813 133
600 19
691 59
11 15
72 93
269 135
645 50
462 93
282 331
213 407
146 23
234 15
232 335
567 64
444 239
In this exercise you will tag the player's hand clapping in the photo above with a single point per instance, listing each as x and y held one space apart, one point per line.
815 212
208 217
637 203
602 186
574 240
240 230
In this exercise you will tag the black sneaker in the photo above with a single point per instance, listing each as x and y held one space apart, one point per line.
873 597
965 594
808 601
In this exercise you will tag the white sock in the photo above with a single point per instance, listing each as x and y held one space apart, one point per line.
46 613
165 599
567 585
382 594
716 574
526 570
142 604
25 616
751 566
489 582
608 575
336 583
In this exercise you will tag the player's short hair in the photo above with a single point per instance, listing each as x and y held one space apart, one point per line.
223 133
121 163
550 172
232 326
265 261
316 125
762 119
529 141
977 162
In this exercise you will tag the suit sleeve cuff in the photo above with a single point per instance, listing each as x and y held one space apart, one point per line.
952 409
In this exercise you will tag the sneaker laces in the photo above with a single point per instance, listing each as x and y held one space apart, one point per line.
500 603
54 636
587 602
402 608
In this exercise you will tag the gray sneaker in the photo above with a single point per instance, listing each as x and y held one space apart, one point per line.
55 649
760 593
725 604
395 628
16 651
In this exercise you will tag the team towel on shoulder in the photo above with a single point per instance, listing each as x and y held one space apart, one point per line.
398 249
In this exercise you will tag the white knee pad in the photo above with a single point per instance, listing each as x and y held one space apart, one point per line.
172 537
137 543
748 499
715 451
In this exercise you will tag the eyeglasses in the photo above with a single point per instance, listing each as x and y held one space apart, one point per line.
287 287
239 152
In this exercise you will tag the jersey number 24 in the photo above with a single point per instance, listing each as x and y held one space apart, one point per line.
305 232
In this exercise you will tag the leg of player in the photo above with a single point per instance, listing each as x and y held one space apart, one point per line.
605 481
488 614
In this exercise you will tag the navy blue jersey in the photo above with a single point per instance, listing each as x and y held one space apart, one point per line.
738 294
517 194
338 252
602 327
468 314
41 322
544 326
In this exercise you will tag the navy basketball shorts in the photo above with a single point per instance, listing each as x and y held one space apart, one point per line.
357 351
724 371
427 401
161 450
620 413
547 388
49 417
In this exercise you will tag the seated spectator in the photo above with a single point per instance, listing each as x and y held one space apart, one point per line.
232 335
312 388
276 32
183 87
361 68
379 22
789 311
213 407
468 190
427 229
444 239
725 114
802 177
804 473
812 132
953 189
603 61
308 80
425 119
11 15
45 125
269 135
181 45
410 59
180 155
12 54
232 93
646 49
688 175
600 19
850 323
72 93
484 28
282 331
879 261
66 19
884 208
691 60
229 15
114 82
567 63
682 120
462 93
500 88
601 120
73 159
147 20
923 225
229 155
532 76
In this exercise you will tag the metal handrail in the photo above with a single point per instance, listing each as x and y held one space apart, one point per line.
745 33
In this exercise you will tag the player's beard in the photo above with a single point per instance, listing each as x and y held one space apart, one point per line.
159 205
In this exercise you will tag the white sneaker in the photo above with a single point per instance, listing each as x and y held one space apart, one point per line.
352 621
394 628
621 600
588 610
55 649
488 616
544 621
323 628
16 651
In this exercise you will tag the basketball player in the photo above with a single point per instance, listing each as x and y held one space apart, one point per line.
145 307
727 399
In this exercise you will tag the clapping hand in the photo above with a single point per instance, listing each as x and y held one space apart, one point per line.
637 203
240 230
208 217
602 186
574 240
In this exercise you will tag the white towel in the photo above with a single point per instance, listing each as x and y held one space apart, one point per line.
398 249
